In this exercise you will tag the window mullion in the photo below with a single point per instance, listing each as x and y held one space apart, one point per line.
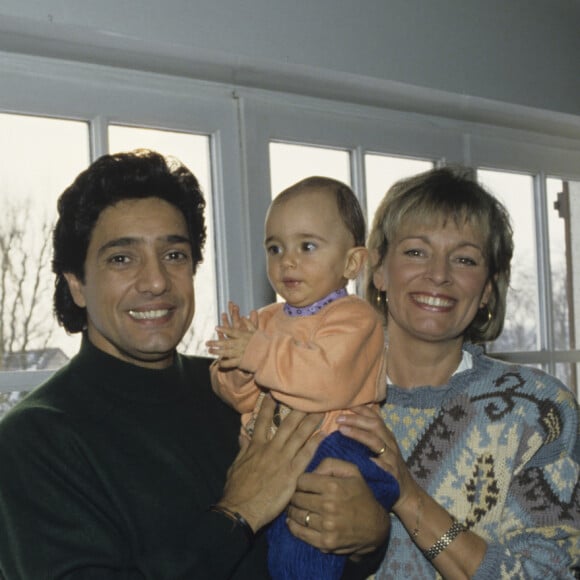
357 172
358 180
546 323
99 136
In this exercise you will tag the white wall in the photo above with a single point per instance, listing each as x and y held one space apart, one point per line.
522 52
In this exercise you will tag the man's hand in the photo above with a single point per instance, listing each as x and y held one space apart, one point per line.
263 477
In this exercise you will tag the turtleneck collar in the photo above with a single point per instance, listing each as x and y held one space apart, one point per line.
315 307
125 379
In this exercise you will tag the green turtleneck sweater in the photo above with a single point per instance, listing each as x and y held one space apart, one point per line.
107 471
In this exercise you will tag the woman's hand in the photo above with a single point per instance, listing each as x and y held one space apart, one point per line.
367 426
424 519
334 510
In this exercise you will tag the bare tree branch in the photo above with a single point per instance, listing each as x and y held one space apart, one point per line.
25 280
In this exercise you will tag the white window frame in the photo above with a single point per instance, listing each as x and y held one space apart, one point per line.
101 96
242 122
270 117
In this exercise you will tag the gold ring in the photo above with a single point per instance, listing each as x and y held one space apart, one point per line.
307 520
381 450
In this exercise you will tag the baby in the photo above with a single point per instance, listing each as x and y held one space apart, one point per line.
320 351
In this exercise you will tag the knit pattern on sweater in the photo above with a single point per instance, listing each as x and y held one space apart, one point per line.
498 448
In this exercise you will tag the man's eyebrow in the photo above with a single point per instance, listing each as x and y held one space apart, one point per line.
177 239
128 241
124 242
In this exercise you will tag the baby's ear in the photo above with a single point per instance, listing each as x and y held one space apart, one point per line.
355 261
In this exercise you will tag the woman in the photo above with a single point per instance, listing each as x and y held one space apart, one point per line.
486 454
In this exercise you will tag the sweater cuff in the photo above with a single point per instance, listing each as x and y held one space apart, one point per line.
224 544
364 566
490 564
230 530
237 520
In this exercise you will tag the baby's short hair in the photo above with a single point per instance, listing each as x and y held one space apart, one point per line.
348 204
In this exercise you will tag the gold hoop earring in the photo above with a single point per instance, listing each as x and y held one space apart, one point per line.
489 313
382 300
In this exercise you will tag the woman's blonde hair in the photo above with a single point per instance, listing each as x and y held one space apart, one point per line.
437 196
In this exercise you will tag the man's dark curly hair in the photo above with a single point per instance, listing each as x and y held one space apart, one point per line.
110 179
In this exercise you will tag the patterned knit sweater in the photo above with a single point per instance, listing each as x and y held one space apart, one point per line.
498 448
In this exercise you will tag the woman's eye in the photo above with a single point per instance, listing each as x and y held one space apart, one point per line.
413 252
467 261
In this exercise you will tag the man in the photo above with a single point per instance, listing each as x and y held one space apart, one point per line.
117 467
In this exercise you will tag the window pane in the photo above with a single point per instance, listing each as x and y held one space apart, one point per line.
8 400
382 171
193 151
568 374
558 225
515 191
40 158
563 200
290 163
574 252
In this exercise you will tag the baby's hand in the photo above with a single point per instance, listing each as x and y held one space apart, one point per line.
234 334
234 320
